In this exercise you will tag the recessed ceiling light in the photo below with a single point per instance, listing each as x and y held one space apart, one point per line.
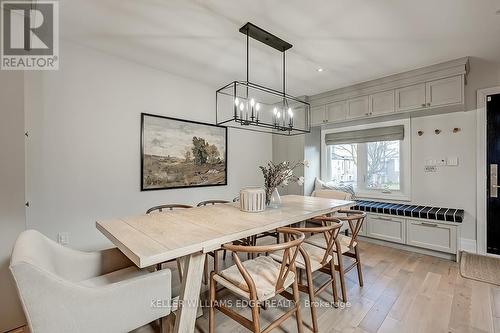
320 70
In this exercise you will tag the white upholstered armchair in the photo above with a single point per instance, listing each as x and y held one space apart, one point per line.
65 290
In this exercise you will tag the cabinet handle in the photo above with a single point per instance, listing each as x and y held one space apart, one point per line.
428 104
384 218
423 105
429 224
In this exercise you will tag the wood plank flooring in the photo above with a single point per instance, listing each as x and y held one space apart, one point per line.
403 292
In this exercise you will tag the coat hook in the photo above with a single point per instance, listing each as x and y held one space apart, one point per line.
456 129
420 133
437 131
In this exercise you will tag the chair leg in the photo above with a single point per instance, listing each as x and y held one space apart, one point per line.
296 298
312 304
334 281
255 316
341 274
358 265
205 271
211 312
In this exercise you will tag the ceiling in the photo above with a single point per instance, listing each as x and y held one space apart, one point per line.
353 40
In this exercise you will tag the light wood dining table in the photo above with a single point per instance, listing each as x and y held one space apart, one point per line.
188 234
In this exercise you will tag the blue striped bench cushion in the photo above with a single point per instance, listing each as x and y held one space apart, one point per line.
423 212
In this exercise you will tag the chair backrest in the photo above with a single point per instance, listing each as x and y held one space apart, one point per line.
160 208
292 241
355 218
211 202
330 229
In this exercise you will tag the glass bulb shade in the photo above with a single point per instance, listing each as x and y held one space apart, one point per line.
278 115
257 106
236 101
252 102
242 106
290 113
275 111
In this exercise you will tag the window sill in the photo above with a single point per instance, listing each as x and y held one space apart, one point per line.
383 196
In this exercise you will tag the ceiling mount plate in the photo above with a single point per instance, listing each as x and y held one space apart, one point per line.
265 37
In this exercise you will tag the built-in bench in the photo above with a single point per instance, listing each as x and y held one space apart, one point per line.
427 229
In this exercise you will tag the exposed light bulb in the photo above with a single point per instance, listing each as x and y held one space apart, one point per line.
275 111
236 101
242 106
290 113
252 102
257 106
278 115
320 70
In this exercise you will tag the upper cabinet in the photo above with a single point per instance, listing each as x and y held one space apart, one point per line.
410 98
382 102
318 116
358 107
437 88
444 92
336 111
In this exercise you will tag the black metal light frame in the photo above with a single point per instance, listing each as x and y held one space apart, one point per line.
253 123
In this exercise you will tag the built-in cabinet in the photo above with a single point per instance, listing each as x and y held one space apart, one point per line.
431 235
430 88
388 228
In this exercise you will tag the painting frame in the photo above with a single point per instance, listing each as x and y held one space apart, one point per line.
142 152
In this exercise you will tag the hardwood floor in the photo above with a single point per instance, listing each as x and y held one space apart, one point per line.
403 292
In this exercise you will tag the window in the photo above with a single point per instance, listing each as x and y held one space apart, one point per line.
371 159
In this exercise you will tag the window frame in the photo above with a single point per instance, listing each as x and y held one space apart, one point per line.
404 194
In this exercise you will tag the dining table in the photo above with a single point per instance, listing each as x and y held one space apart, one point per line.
189 234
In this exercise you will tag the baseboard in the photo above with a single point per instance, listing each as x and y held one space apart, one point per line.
468 245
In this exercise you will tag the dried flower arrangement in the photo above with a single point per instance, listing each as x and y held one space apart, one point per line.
280 174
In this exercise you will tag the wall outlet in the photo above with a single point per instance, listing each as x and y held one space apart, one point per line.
63 238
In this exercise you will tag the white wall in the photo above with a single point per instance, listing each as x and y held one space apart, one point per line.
83 155
450 186
12 219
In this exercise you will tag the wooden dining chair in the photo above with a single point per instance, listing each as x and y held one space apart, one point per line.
214 254
259 280
160 208
347 245
316 259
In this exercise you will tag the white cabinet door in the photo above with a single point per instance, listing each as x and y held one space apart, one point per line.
444 92
317 115
410 98
388 228
336 111
357 107
382 102
434 236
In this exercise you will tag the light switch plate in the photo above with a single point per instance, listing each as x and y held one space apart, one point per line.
452 161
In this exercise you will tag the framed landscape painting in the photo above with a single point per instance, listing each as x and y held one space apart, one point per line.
178 153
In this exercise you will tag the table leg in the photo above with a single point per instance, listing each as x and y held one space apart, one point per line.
192 275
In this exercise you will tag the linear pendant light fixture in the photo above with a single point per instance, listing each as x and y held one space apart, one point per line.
250 106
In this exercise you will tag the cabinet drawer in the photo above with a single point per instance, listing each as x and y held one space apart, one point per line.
392 229
434 236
